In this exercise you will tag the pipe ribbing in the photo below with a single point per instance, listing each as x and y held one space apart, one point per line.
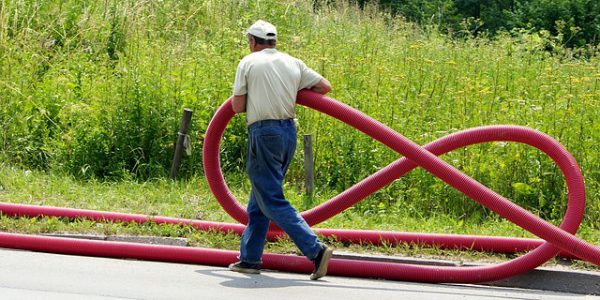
444 241
558 237
415 155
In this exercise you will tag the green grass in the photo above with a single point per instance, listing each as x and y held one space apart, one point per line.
95 90
192 199
91 94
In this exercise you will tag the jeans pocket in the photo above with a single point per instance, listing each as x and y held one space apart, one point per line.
251 163
273 145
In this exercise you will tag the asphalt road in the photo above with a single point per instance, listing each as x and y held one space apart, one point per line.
31 275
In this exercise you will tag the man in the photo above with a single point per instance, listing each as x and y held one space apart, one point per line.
265 87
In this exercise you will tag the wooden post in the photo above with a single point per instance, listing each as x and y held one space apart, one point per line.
309 166
179 147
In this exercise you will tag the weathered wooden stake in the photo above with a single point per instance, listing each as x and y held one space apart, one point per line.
309 166
179 147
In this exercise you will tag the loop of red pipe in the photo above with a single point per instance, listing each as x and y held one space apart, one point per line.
414 155
425 157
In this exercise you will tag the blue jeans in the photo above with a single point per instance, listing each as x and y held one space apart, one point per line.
271 146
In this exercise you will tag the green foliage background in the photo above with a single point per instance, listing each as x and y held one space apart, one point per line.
574 22
95 89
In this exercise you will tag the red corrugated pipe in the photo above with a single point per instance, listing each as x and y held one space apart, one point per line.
444 241
559 238
556 238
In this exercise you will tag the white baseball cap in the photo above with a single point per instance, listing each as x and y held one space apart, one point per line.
263 30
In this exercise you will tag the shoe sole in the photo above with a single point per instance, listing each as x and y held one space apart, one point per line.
322 270
244 270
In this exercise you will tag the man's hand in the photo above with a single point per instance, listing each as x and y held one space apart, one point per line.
238 104
322 87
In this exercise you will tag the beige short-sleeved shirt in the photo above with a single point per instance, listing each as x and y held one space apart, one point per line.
270 80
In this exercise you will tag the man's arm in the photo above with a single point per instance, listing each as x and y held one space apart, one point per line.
322 87
239 103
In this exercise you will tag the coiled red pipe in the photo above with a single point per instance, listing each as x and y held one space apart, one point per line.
557 238
346 199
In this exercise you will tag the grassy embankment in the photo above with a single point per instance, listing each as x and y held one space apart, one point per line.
192 199
93 91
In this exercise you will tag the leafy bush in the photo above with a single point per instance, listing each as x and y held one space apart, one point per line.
575 22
